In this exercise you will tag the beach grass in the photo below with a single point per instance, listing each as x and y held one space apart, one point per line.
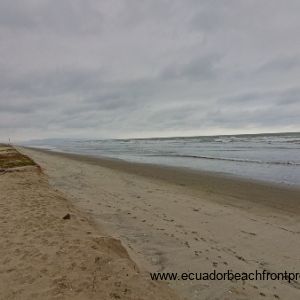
11 158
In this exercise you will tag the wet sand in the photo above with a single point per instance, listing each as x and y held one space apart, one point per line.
178 220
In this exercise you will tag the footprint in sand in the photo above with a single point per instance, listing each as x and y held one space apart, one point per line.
249 233
240 258
187 244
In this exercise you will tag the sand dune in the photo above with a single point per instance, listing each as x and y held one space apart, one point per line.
46 256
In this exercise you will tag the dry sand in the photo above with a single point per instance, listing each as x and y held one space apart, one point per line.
182 221
43 256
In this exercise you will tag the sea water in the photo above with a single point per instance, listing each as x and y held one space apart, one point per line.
267 157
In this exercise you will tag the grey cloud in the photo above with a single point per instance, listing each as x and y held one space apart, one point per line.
14 15
257 116
102 103
274 97
201 68
290 97
280 64
18 106
51 82
90 68
61 17
211 15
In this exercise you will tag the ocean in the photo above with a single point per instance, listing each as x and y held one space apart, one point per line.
267 157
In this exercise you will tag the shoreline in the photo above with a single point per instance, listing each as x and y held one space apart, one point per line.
262 193
187 169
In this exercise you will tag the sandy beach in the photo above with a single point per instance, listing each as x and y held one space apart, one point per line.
177 220
51 250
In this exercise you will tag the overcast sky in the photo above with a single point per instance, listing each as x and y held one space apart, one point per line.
97 69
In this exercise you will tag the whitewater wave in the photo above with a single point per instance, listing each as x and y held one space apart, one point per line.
230 159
